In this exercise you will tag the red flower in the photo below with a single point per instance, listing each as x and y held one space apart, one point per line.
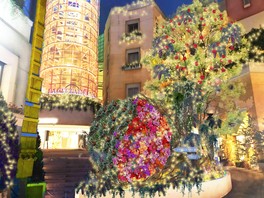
202 77
214 11
196 63
183 68
201 18
176 57
212 68
223 69
230 61
177 67
223 56
171 21
200 82
195 45
172 29
201 37
179 23
231 47
184 58
172 41
189 10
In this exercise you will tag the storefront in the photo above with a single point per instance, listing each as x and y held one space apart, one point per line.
63 136
59 129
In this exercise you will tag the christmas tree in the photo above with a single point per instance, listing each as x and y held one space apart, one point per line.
38 174
246 153
9 149
133 142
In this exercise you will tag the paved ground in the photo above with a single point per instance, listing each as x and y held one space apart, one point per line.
246 183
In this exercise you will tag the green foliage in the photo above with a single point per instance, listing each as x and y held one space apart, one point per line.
68 102
111 119
9 145
38 173
246 144
259 139
256 39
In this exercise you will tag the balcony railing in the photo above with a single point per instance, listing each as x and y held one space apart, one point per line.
131 37
131 66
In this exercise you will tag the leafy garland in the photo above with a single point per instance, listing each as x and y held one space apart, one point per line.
68 102
132 37
256 39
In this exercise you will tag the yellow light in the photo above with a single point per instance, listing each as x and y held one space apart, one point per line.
69 58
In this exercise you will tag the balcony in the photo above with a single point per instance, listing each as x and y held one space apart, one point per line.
131 66
131 37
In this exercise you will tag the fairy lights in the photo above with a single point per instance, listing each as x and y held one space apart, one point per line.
9 149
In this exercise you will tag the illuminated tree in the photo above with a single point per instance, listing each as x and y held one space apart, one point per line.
246 143
9 150
194 55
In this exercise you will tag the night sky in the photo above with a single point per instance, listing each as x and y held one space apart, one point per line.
168 7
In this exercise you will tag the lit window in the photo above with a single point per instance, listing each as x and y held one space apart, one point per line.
246 3
1 71
73 4
132 25
133 56
55 8
132 89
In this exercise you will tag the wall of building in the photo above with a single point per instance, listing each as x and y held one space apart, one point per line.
251 17
116 79
257 80
254 21
237 11
15 51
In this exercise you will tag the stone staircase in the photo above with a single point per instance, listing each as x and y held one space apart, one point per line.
64 170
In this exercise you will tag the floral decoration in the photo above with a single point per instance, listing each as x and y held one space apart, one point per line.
145 147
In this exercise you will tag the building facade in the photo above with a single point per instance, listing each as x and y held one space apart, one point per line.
69 57
15 52
128 35
69 67
251 14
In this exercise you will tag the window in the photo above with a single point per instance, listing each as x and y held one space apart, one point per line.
246 3
73 4
1 71
133 56
132 25
132 89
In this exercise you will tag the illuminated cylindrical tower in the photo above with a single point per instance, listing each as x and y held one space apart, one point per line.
69 58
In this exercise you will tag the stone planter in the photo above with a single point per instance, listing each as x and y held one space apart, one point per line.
211 189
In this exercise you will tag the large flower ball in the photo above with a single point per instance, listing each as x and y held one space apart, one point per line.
145 146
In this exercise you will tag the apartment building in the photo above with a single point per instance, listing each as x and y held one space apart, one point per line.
128 34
